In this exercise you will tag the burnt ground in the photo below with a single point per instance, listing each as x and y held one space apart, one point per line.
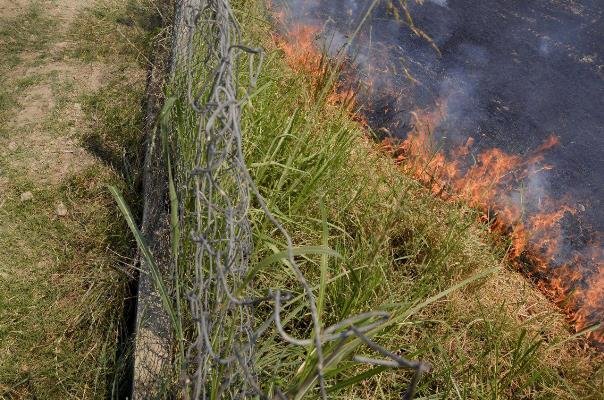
513 73
517 71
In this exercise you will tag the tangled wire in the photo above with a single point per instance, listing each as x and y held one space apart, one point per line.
220 359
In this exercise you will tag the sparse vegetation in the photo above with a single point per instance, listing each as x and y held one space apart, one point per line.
65 257
30 29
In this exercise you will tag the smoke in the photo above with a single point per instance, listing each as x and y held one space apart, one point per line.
458 91
442 3
510 75
545 46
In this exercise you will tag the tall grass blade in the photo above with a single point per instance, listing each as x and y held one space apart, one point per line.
150 261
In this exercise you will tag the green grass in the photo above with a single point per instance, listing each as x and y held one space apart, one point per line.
6 102
400 246
31 30
59 286
115 112
63 279
116 28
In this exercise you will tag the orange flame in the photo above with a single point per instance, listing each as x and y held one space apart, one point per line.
300 51
301 54
486 184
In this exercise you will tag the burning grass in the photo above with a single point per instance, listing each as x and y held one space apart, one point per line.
400 245
490 182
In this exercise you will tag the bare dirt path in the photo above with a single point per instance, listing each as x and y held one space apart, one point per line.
71 81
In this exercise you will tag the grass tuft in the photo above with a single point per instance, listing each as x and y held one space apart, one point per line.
116 28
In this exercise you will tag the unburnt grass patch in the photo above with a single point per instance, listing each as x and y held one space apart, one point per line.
65 256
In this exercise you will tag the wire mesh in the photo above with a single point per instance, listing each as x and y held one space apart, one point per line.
215 201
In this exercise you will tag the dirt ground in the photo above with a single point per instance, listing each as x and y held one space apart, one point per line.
70 99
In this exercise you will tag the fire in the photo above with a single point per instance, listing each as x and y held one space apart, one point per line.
592 301
478 185
301 55
488 184
300 50
579 297
546 231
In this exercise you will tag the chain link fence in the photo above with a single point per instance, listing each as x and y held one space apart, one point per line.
216 311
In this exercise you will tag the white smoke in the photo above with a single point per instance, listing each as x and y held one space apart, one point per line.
442 3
